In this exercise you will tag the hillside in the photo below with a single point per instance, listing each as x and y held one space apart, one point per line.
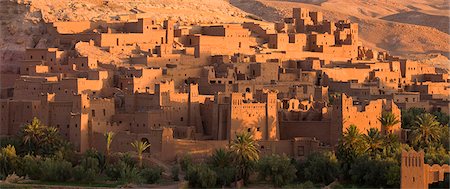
407 28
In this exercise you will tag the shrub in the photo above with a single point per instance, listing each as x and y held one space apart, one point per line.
123 172
320 167
87 170
113 170
128 160
277 169
55 170
185 162
201 176
130 174
221 161
151 175
376 172
175 172
30 166
8 160
100 157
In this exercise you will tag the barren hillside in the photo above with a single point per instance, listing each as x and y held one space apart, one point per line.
407 28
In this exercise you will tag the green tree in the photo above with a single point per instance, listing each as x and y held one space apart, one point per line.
8 160
41 139
221 162
371 172
388 120
426 132
409 117
52 169
109 136
319 167
151 175
140 147
87 170
201 176
185 162
391 145
373 141
350 147
246 154
277 169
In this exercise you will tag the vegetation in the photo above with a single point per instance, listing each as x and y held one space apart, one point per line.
140 147
201 176
319 167
367 158
246 154
279 170
109 138
388 119
221 162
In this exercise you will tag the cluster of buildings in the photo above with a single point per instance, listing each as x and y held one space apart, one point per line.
295 85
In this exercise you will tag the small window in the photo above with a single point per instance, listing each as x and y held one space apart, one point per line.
93 113
104 112
249 130
181 119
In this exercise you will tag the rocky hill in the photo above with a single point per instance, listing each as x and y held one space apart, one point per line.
409 28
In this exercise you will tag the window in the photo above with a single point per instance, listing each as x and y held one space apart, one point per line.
93 113
258 129
249 130
104 112
181 119
301 150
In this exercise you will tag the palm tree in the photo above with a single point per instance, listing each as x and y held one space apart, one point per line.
222 162
33 132
245 150
391 145
140 146
388 119
221 158
109 138
352 139
374 141
426 131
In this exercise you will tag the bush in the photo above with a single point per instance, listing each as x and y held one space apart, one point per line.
201 176
87 170
185 162
277 169
175 172
30 166
221 161
320 167
151 175
123 172
55 170
366 171
100 157
113 170
8 160
128 160
130 175
84 175
307 185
